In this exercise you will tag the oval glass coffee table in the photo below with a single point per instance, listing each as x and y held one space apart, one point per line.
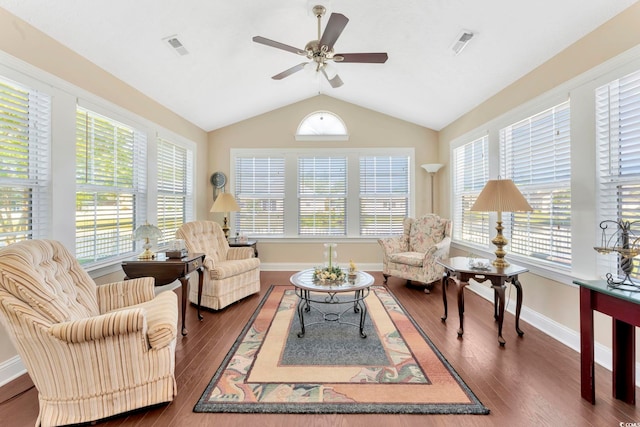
351 292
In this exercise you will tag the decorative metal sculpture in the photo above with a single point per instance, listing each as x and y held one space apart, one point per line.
618 236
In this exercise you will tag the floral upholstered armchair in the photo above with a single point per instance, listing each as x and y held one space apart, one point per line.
230 273
91 351
413 255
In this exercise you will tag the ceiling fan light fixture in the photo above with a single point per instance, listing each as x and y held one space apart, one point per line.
461 41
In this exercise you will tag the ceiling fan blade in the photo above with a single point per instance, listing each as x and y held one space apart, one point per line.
335 82
278 45
290 71
332 31
373 58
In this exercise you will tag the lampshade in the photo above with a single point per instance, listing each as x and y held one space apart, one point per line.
432 167
501 195
145 232
225 202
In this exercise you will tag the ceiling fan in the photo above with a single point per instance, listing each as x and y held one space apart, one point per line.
320 51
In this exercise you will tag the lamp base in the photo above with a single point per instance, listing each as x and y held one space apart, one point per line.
147 254
225 228
500 241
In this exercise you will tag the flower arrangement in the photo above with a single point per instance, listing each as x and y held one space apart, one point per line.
328 274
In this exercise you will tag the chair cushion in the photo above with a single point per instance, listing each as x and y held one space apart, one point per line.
225 269
414 259
426 232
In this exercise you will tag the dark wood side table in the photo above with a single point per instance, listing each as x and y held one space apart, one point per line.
623 307
234 243
165 270
458 268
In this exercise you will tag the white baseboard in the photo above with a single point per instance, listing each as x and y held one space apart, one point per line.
11 369
602 354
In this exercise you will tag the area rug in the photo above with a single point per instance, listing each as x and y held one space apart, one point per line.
331 369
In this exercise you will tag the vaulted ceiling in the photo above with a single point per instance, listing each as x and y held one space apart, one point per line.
226 77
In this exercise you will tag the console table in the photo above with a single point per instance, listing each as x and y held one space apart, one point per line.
166 270
623 306
460 269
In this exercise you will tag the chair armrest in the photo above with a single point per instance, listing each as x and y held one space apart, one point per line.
113 296
101 326
437 252
240 252
392 245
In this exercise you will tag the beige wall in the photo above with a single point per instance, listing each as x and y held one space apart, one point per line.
27 44
558 302
367 128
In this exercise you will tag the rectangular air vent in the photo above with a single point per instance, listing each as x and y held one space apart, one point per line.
461 41
176 45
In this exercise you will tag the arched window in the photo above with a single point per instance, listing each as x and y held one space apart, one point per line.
322 126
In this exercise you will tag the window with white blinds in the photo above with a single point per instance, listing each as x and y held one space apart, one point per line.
321 192
384 194
175 188
259 191
618 136
470 174
536 154
25 140
110 186
322 196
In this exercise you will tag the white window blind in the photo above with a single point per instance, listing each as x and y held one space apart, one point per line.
175 188
471 172
25 122
618 135
536 155
259 191
110 186
322 196
384 194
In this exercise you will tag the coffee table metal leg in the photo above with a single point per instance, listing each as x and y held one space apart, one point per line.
303 305
363 316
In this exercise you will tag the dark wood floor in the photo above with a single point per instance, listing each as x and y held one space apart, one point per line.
532 381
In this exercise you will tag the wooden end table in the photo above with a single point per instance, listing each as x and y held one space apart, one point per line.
235 243
623 307
458 268
166 270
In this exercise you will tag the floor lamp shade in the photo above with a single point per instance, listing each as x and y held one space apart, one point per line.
225 202
500 195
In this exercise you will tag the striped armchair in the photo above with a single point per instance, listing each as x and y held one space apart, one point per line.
230 274
91 351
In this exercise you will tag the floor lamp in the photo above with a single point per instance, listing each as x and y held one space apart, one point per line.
432 168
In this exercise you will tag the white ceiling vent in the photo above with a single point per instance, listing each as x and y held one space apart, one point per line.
461 41
176 45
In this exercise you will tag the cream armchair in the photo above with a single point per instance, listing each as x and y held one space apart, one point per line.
413 255
230 274
91 351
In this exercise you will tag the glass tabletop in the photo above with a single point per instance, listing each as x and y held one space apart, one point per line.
604 288
304 280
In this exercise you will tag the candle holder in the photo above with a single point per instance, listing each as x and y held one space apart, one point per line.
620 237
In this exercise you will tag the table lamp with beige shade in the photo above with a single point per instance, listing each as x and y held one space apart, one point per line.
225 202
500 195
